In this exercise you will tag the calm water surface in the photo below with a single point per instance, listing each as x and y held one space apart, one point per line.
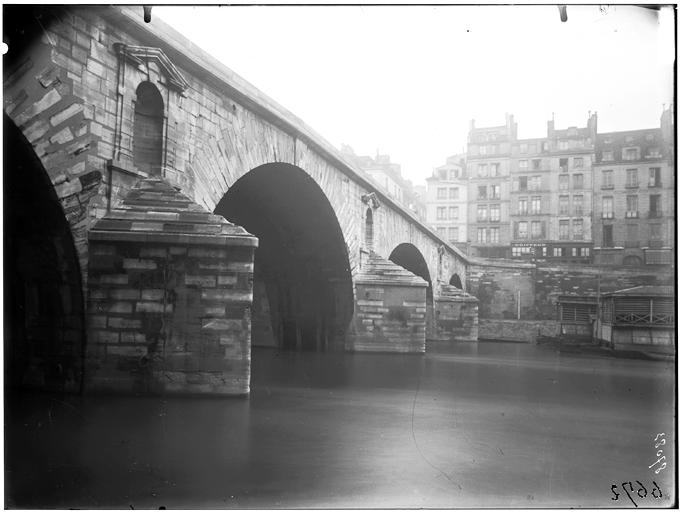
487 425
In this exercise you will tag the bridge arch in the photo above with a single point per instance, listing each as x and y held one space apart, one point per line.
44 306
455 281
303 293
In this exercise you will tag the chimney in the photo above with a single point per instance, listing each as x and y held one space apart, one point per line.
551 125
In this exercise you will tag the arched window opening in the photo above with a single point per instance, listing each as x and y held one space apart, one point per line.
369 229
147 141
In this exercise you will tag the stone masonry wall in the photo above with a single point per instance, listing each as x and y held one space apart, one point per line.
496 285
388 318
169 318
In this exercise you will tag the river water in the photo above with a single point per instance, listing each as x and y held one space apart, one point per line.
486 425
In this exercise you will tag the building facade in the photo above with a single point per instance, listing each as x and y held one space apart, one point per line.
551 198
446 201
634 197
489 159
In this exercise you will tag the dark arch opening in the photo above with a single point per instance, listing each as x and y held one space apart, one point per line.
303 298
409 257
147 142
632 261
369 228
44 309
455 281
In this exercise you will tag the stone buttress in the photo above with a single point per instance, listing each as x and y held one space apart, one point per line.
170 293
390 309
456 315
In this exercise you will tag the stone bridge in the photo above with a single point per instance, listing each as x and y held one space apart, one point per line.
126 149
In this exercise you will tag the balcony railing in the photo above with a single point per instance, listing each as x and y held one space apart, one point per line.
632 215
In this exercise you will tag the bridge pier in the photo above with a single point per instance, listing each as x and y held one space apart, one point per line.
390 309
456 315
170 293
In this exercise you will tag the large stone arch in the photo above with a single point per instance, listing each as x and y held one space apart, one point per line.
303 292
44 303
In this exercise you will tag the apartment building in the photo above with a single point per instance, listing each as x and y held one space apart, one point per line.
634 196
551 198
446 201
488 166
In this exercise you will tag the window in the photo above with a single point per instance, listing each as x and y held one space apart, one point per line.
481 235
577 202
147 140
522 183
564 164
631 178
441 193
655 231
608 179
535 205
482 170
607 156
523 148
493 170
608 207
522 229
564 181
578 163
564 230
577 226
546 146
564 205
453 193
495 191
535 183
532 148
481 212
453 234
654 153
608 236
493 150
631 206
557 251
654 206
441 231
443 174
631 153
495 212
481 192
520 251
494 235
523 164
585 251
563 144
453 212
654 177
536 164
536 231
441 212
522 205
482 150
574 251
578 181
631 233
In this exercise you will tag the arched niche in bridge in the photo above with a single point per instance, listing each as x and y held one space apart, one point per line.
455 281
147 143
408 256
303 294
44 310
368 229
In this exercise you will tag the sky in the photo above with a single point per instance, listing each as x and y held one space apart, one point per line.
407 80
